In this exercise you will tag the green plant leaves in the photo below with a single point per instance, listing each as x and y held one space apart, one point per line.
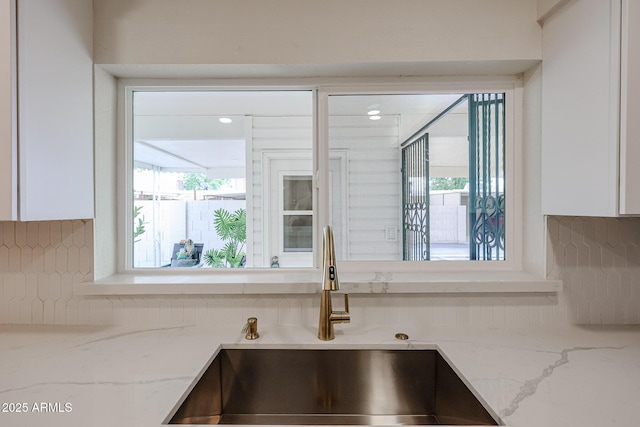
140 227
231 228
215 258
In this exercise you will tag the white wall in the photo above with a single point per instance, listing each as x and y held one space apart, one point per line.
270 134
374 199
372 177
547 8
314 32
533 243
106 235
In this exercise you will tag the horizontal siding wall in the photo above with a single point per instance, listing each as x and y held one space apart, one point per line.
373 184
271 134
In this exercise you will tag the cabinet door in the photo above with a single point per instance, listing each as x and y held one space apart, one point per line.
580 109
55 105
630 110
8 112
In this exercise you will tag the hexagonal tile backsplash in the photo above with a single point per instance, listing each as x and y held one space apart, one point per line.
39 264
598 260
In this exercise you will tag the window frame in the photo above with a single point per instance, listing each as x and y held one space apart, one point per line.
510 85
513 216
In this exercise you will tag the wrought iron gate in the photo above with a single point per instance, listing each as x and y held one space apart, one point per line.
486 176
415 200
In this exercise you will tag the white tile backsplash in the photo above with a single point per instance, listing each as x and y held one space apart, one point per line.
598 260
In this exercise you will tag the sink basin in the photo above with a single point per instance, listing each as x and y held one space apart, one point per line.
330 387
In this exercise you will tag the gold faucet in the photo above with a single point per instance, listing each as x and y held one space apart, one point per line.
330 283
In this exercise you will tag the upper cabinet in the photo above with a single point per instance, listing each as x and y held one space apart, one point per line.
46 134
8 112
630 109
590 109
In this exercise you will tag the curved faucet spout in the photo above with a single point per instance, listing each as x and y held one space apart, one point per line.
330 283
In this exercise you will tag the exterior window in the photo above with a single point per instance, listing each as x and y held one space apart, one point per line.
230 178
206 172
297 214
426 175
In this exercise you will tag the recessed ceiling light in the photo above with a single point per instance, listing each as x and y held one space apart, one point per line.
375 117
373 112
225 120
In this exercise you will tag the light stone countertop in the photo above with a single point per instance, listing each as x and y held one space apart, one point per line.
115 376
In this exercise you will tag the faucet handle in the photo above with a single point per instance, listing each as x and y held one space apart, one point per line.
341 316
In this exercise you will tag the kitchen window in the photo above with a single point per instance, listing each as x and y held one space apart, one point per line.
404 174
426 175
227 171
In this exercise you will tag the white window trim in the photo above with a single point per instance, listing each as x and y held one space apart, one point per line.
356 277
305 255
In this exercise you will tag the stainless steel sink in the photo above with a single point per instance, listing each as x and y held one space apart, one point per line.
330 387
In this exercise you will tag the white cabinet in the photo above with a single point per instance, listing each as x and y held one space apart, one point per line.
630 109
8 112
51 119
591 109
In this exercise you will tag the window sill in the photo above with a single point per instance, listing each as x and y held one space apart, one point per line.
308 282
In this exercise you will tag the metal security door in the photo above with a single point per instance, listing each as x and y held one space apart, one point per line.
415 200
486 176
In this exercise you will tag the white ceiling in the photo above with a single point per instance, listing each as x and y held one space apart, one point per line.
180 130
187 155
